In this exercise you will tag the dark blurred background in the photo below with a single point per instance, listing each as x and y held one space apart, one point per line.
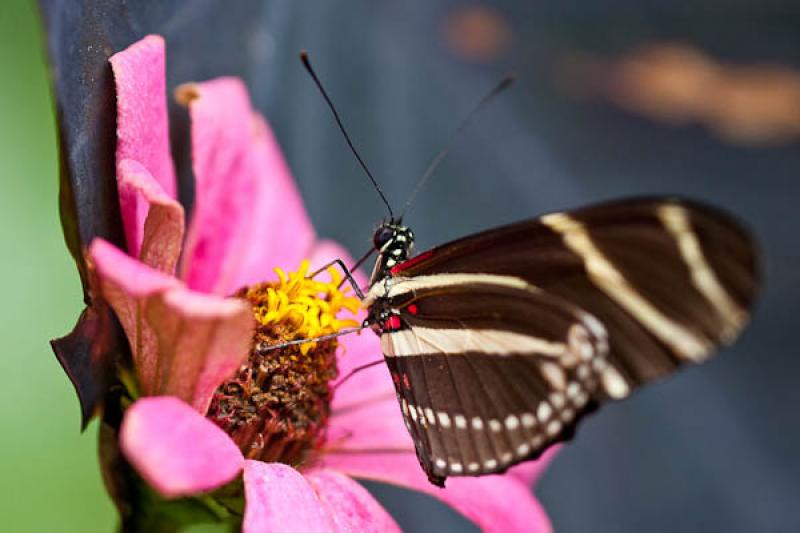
613 99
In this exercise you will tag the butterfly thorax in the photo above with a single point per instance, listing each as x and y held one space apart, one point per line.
393 242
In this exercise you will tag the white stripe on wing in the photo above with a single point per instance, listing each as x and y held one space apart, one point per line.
608 279
422 340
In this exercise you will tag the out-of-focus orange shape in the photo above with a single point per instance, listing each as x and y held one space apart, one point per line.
669 83
678 84
477 33
757 105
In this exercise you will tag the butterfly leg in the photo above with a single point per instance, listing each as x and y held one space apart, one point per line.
356 370
263 348
347 274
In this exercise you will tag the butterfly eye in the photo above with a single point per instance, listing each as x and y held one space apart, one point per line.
382 235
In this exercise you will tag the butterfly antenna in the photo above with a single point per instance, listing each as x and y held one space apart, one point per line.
307 64
434 164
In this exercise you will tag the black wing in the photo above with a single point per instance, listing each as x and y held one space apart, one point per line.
490 371
669 279
655 283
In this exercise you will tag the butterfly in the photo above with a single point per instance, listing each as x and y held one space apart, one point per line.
499 343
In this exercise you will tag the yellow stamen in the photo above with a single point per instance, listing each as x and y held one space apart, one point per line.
302 308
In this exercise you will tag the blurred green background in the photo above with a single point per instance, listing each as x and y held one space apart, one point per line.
50 476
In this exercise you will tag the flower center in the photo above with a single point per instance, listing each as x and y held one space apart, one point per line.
277 405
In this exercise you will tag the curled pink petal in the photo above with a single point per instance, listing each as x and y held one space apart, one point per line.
184 344
142 128
153 220
127 285
529 472
175 449
133 276
248 216
498 503
202 340
350 506
279 498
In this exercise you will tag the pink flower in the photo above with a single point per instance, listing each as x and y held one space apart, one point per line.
188 336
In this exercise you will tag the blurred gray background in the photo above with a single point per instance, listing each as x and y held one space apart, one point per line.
715 448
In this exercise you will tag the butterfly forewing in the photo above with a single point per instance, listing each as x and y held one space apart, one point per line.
489 371
670 280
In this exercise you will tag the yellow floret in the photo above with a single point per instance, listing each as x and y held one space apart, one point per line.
305 308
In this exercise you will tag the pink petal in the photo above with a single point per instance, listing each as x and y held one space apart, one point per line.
278 498
350 506
153 220
282 233
202 340
248 215
495 503
176 450
325 251
367 384
529 472
374 425
183 344
127 284
142 128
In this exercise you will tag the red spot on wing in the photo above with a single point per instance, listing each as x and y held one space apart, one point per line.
412 308
395 378
392 323
411 262
406 382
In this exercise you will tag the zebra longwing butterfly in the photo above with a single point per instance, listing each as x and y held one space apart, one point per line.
500 342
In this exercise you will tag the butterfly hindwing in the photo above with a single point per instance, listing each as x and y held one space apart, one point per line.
489 371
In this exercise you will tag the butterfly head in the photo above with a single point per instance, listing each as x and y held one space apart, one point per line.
392 235
393 241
